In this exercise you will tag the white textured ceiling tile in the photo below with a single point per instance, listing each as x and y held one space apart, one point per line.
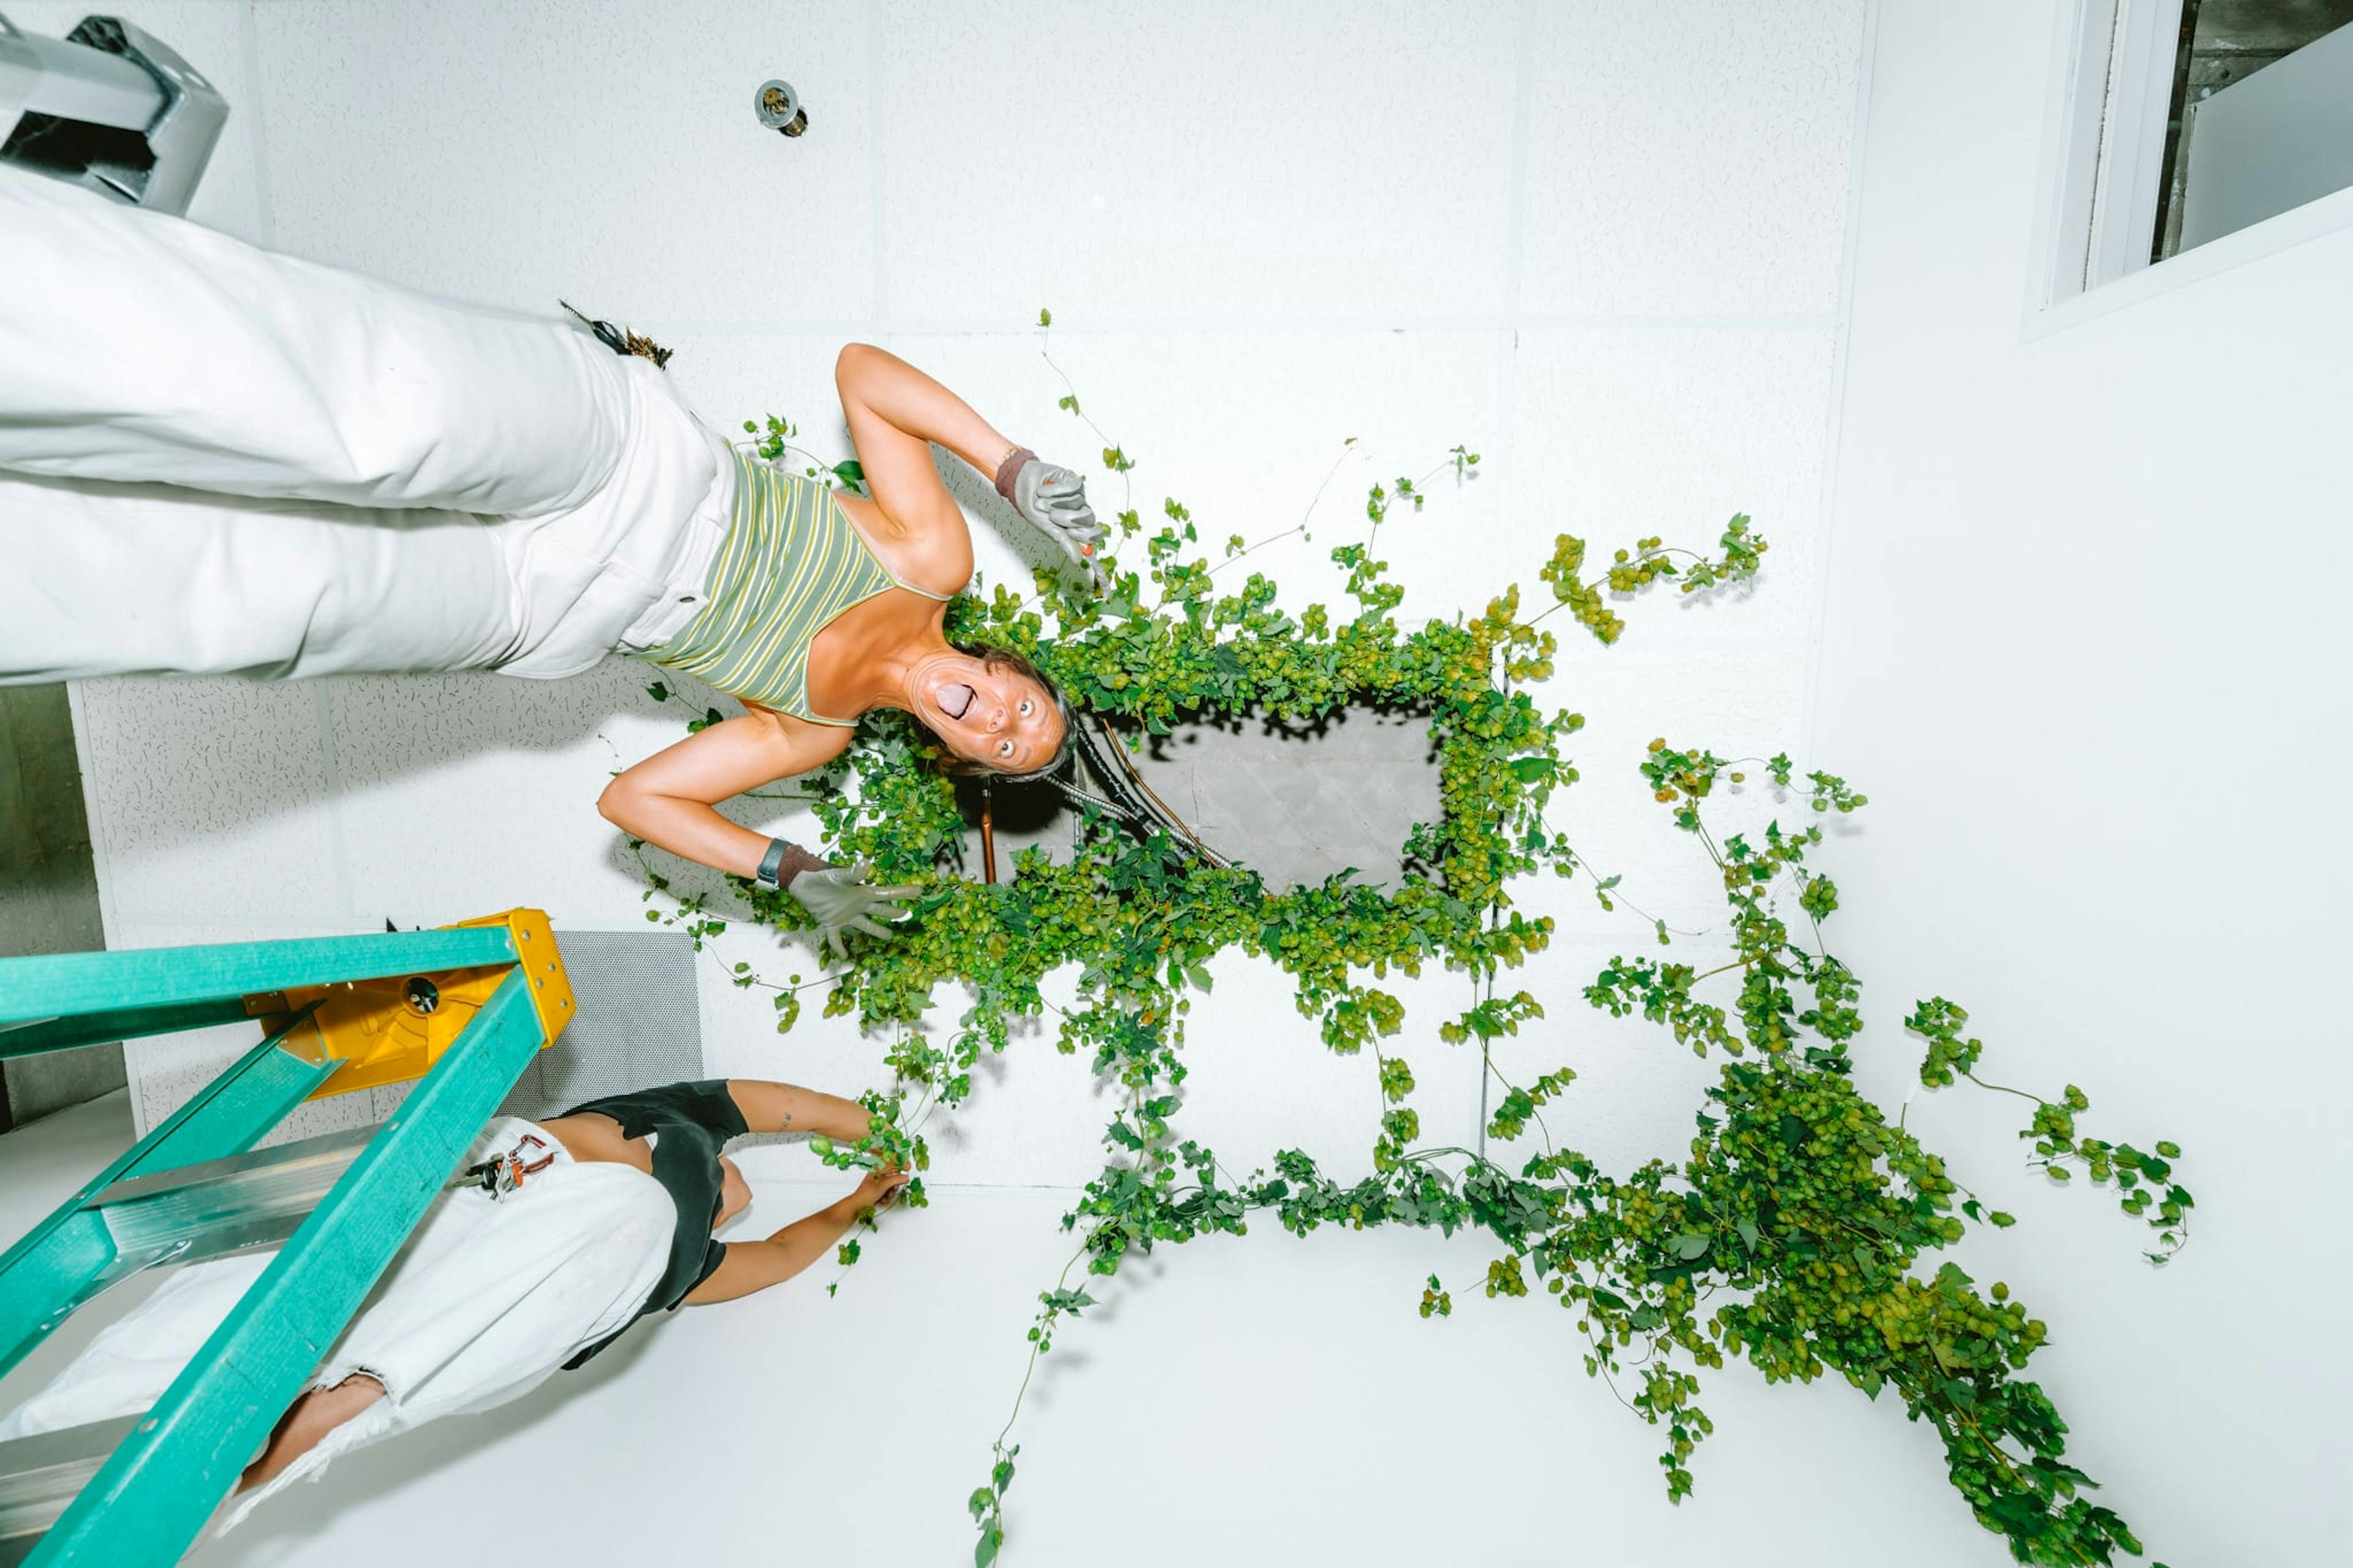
166 1070
207 801
1244 429
739 1038
1625 432
729 377
1254 162
1034 1117
467 795
159 1089
1748 703
166 1079
173 928
316 1118
1636 1087
1689 157
1263 1081
603 152
206 34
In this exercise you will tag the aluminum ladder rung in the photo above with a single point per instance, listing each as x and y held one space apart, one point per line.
192 1214
41 1475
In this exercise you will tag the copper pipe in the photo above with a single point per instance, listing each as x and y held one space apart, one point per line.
988 835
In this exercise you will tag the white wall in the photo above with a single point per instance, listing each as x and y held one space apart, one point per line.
1601 244
2085 644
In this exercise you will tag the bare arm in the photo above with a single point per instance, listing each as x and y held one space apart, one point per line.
752 1265
786 1107
895 411
666 799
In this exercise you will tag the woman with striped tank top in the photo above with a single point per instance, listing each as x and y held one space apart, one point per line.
823 605
218 461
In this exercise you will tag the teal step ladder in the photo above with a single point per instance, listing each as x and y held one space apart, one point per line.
463 1008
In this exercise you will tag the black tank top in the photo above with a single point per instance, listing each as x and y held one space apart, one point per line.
691 1122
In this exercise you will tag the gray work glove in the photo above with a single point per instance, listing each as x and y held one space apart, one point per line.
842 899
1055 499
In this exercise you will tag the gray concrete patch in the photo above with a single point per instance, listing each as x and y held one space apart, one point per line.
1295 802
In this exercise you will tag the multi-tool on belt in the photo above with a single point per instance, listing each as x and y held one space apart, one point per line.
503 1174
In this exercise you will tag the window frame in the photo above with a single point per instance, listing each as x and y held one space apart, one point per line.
2112 82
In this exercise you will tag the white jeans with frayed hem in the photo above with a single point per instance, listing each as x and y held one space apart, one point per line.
488 1298
214 459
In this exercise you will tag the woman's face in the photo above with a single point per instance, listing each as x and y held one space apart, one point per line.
988 713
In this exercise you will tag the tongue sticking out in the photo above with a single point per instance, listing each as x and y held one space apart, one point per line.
954 698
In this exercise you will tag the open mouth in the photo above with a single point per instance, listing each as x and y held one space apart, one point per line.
954 699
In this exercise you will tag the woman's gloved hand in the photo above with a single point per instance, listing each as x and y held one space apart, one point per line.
839 899
844 899
1055 499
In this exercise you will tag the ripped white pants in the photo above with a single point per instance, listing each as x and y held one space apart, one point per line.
214 459
487 1298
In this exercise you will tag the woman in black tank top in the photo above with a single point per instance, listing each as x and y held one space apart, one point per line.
674 1134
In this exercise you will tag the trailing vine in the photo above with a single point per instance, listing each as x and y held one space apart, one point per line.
1796 1234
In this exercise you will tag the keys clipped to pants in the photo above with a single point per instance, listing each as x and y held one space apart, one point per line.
503 1173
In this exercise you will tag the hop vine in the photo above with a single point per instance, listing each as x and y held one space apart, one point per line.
1797 1235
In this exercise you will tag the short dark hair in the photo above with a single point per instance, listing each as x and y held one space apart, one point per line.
1005 658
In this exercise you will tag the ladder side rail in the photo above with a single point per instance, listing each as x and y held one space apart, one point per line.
48 986
154 1496
59 1263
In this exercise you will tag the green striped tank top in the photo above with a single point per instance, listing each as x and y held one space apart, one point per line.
790 564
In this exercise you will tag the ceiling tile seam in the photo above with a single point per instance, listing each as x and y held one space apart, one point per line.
1826 506
1516 197
879 307
249 42
1474 321
330 772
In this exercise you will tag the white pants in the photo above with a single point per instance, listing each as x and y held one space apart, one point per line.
489 1297
214 459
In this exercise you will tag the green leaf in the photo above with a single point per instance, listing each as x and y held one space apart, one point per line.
1688 1246
1528 770
984 1552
